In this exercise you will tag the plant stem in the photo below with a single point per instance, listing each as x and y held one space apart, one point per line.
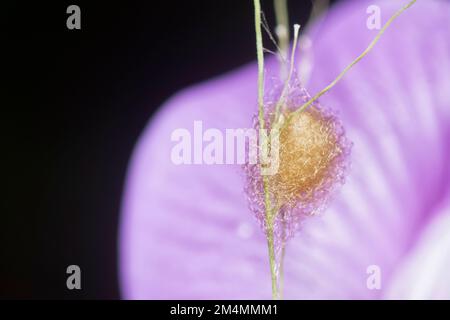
267 204
282 99
272 260
283 253
282 18
260 58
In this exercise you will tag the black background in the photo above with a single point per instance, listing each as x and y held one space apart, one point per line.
73 105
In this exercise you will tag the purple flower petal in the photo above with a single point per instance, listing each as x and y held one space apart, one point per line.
423 274
186 231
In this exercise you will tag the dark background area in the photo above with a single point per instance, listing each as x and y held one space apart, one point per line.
73 105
